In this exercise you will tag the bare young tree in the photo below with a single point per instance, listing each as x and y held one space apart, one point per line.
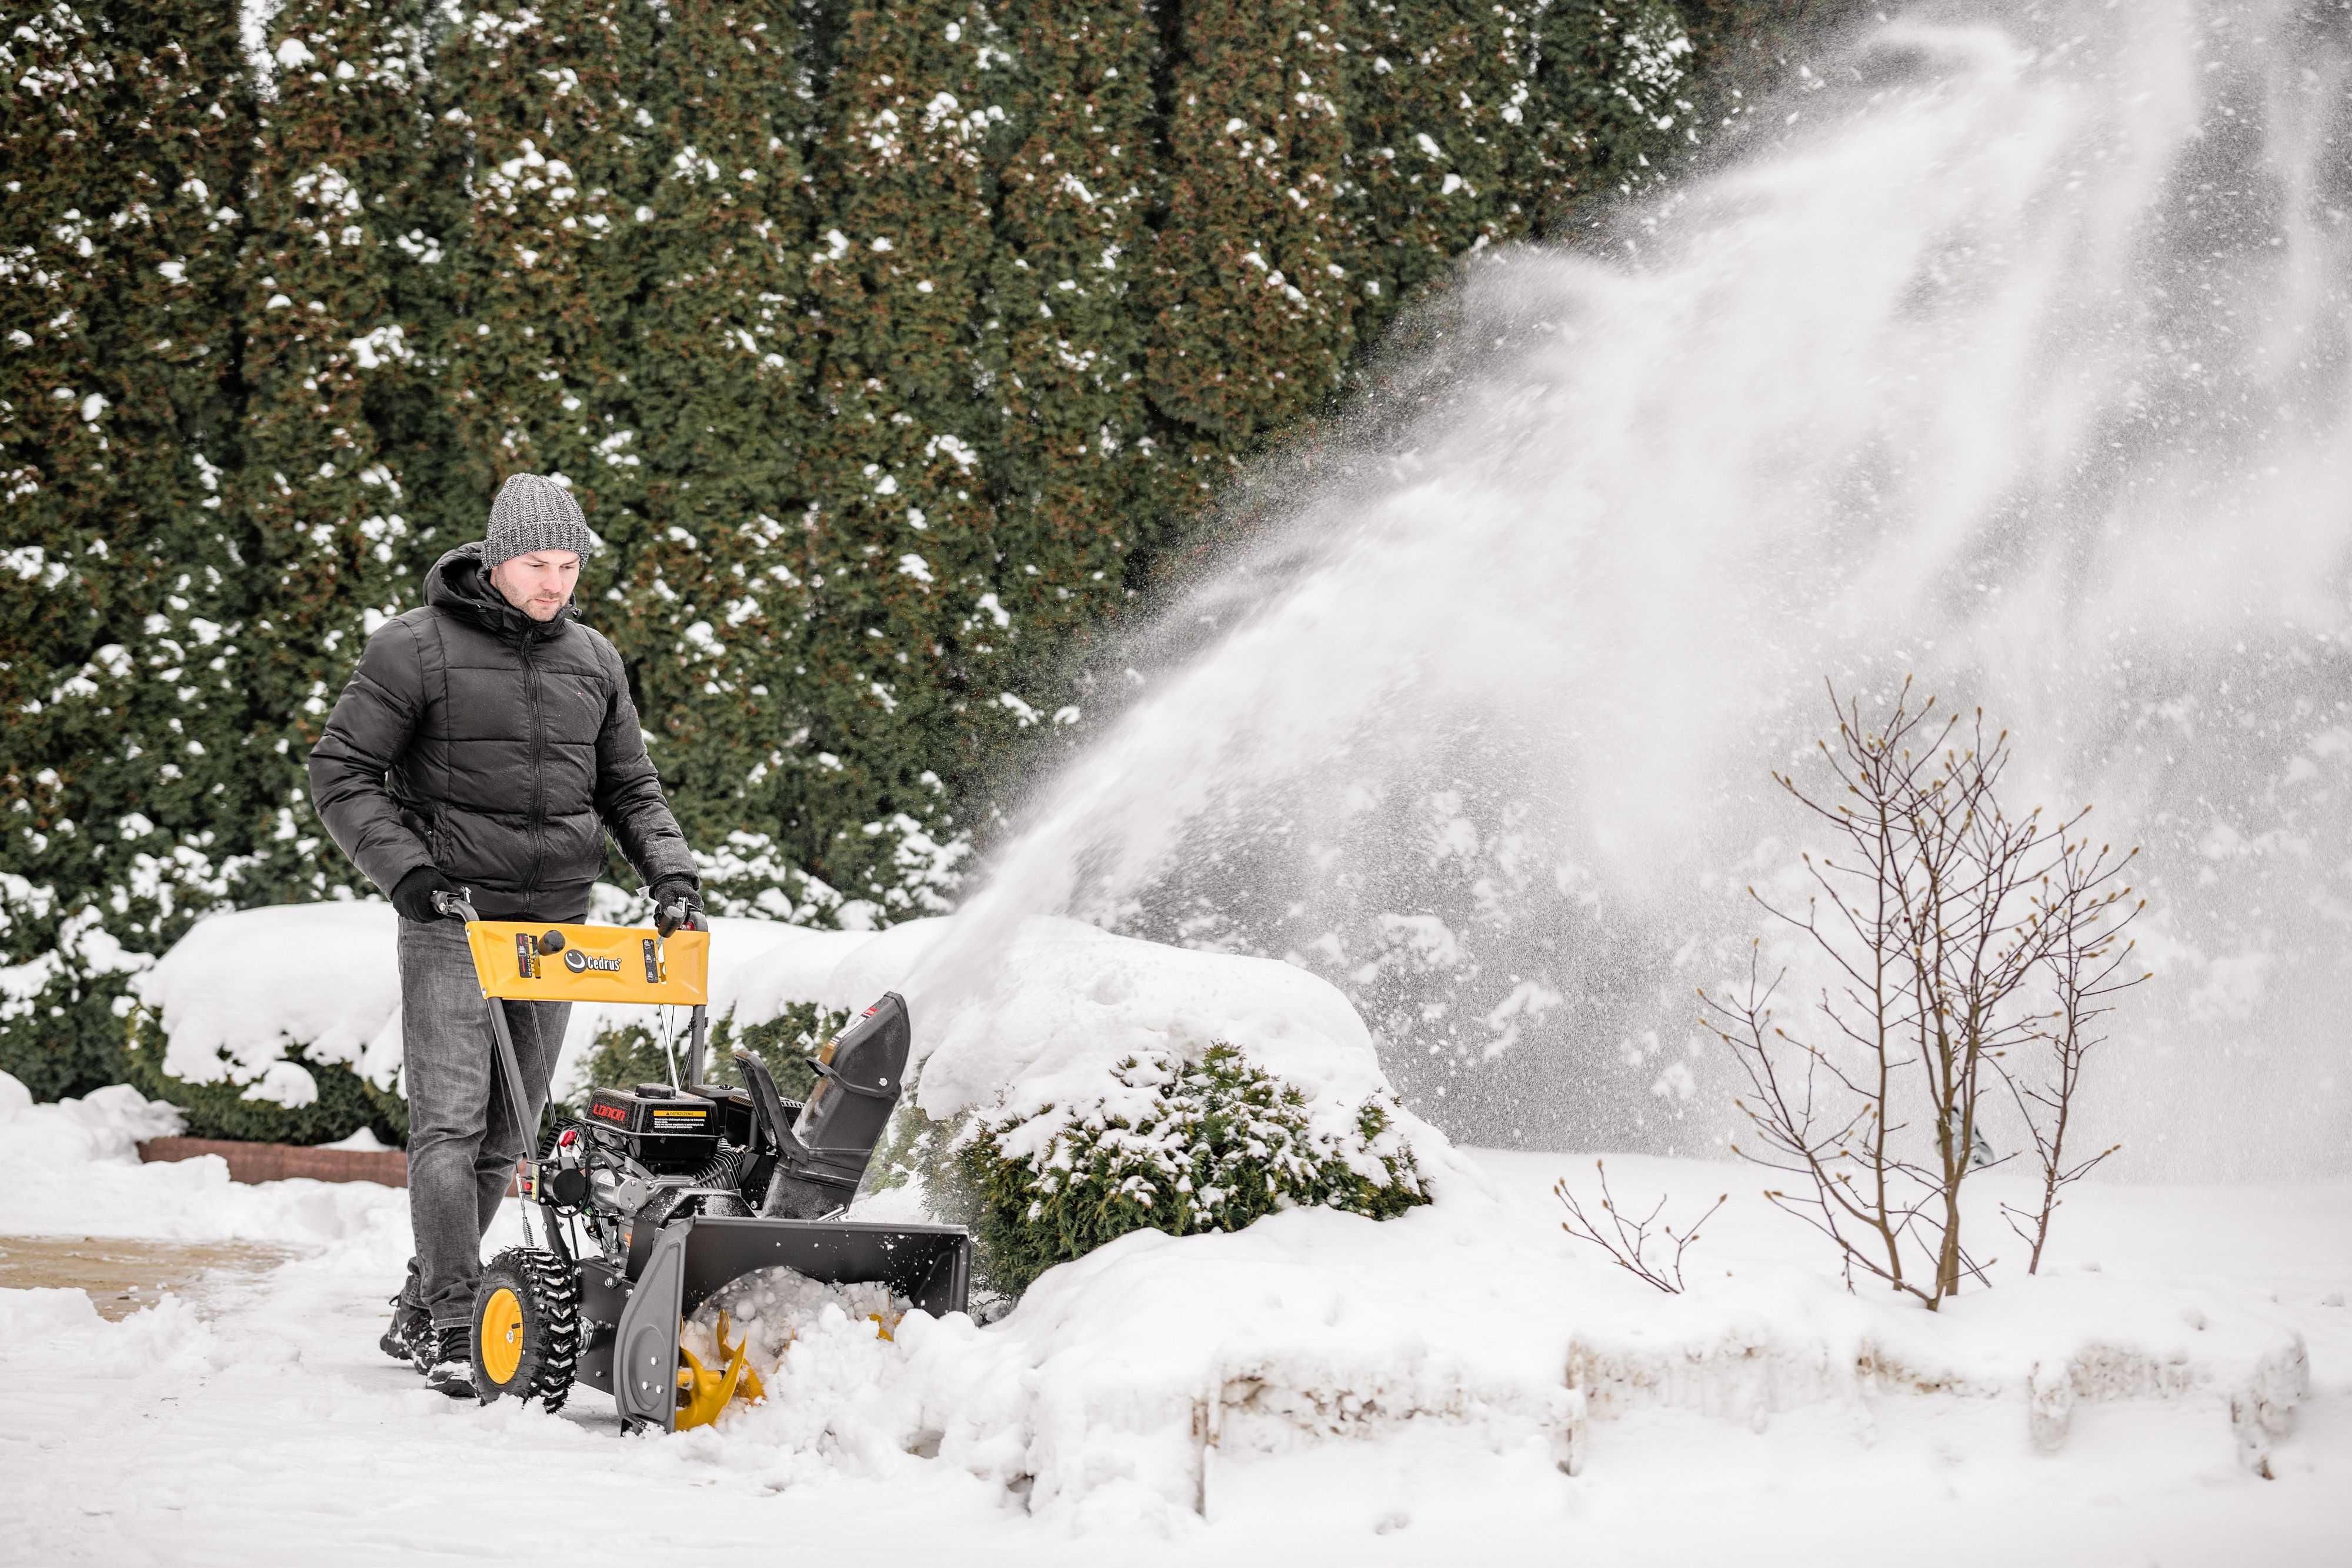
1627 1240
1945 929
2084 900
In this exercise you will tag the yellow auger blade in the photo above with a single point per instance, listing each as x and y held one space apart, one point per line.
703 1393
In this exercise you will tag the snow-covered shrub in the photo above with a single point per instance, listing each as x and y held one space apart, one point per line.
1180 1147
60 1012
337 1103
274 1024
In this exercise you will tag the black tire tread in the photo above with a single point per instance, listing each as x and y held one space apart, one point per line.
549 1290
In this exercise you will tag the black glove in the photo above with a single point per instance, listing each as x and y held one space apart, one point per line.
678 902
414 896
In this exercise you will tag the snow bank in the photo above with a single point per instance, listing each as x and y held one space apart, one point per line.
1308 1392
1759 1347
73 1168
66 1323
241 988
109 1124
799 966
1129 1387
1111 1397
1062 1003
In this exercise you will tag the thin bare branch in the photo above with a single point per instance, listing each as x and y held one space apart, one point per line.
1627 1241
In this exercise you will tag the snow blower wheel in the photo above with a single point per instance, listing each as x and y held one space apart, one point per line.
526 1328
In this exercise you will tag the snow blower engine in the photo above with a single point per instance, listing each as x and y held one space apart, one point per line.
665 1195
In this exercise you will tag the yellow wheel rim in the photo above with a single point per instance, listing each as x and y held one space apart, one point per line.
502 1336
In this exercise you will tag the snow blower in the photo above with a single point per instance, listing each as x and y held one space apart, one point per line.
682 1189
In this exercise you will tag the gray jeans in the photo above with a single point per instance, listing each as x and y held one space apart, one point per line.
462 1138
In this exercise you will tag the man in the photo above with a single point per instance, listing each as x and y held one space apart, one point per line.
486 742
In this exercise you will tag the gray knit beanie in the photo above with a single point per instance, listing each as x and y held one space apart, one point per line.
533 512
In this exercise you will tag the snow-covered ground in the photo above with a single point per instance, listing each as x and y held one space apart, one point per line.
1317 1389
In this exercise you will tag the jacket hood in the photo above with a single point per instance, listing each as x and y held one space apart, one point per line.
459 585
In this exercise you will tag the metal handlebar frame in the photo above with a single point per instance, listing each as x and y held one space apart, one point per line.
459 905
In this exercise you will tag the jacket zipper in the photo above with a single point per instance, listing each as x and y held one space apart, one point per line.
538 765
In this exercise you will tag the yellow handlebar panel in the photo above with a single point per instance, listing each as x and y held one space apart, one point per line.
594 964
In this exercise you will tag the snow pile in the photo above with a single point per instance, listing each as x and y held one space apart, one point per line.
769 1309
1123 1384
1056 1010
109 1124
241 988
1051 1017
66 1324
836 970
1122 1381
73 1168
1065 1003
1317 1367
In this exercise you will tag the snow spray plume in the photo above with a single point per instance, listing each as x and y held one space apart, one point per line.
2022 362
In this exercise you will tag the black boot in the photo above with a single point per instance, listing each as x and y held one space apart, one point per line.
446 1357
411 1323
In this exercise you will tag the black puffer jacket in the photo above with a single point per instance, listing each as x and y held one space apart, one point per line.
495 747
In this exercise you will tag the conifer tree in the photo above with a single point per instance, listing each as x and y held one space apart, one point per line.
1257 271
1081 489
128 132
547 159
63 175
317 494
1442 92
1607 98
703 599
900 533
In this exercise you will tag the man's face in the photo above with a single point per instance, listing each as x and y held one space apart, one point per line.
540 583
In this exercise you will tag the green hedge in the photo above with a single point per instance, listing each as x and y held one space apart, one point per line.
1224 1143
65 1039
885 413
